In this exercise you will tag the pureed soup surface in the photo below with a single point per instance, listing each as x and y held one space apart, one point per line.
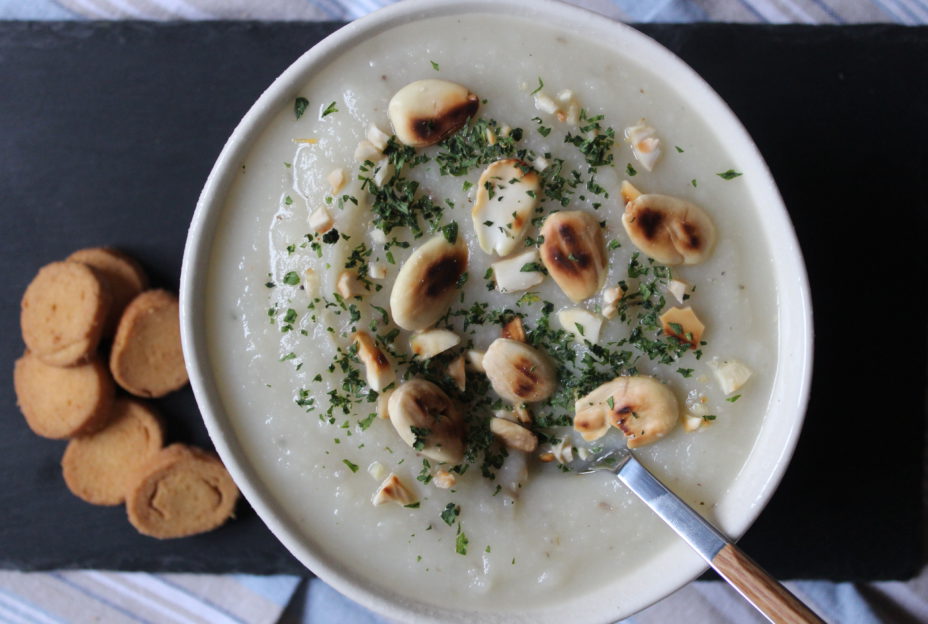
280 339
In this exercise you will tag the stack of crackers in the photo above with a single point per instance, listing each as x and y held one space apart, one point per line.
66 387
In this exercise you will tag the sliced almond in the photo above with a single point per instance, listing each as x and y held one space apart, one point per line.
645 145
507 195
457 373
383 401
643 408
628 191
574 253
612 294
683 324
336 180
377 270
670 230
592 422
426 111
475 360
377 137
428 420
514 329
677 288
321 220
692 422
513 435
444 479
379 369
428 343
581 323
347 285
427 283
377 470
517 273
367 152
518 372
730 373
392 490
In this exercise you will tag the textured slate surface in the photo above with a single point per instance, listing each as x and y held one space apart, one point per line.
107 132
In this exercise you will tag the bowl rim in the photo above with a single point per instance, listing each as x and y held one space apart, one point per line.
794 336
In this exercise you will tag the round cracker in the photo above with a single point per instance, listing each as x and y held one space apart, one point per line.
101 467
62 402
182 491
63 312
147 359
124 276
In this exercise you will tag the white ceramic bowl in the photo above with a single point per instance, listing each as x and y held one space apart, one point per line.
669 569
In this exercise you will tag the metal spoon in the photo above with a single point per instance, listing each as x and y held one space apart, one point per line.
750 580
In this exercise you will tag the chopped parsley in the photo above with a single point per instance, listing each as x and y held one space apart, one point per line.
460 544
435 66
352 466
734 398
731 174
329 110
450 232
630 170
299 106
292 278
450 513
541 85
422 434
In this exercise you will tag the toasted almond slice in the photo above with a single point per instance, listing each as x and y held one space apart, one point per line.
348 285
428 420
457 373
379 369
592 422
444 480
514 329
321 219
393 490
428 343
427 283
683 324
62 402
64 311
670 230
100 468
507 195
574 253
581 323
518 372
147 359
426 111
514 435
643 408
517 273
181 491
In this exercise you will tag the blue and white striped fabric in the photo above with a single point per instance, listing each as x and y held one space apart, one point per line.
110 597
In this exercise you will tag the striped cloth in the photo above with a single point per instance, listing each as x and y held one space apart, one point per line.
111 597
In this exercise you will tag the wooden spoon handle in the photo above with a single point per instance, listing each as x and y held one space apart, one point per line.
760 589
763 591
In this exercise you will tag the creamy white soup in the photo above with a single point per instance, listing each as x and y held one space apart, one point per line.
502 529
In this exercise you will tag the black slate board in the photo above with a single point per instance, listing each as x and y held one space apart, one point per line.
107 132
